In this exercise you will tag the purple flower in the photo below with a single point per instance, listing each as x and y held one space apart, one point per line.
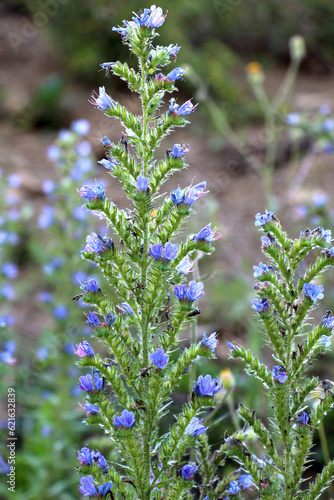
87 487
90 285
142 183
233 488
53 152
156 251
84 148
10 270
328 125
99 459
262 220
48 186
110 319
14 180
175 74
109 163
98 381
328 148
186 109
125 308
304 418
159 358
279 374
265 241
211 342
292 119
180 150
142 18
60 312
6 356
102 100
260 305
193 193
246 481
230 346
91 409
206 386
86 383
92 319
207 234
195 290
170 251
195 427
328 322
85 456
83 349
104 489
127 419
185 266
189 470
93 244
313 292
97 192
156 18
180 291
81 126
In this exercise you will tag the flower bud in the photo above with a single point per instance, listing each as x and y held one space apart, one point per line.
297 48
255 73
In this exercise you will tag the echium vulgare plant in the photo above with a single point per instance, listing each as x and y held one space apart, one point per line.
287 295
141 330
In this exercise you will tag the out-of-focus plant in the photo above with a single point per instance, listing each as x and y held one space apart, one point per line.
45 380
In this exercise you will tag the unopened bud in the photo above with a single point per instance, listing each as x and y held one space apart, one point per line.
297 48
255 73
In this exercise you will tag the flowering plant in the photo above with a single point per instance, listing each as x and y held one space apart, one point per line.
287 294
128 392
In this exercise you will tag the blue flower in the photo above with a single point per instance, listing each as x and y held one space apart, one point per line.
328 321
180 150
85 456
53 152
206 386
81 126
86 383
98 381
186 109
170 251
14 180
84 148
177 196
142 183
60 312
261 269
211 342
185 266
260 305
207 234
304 418
110 319
324 109
99 459
173 50
159 358
104 489
156 251
325 341
266 242
195 290
91 409
328 148
6 355
108 164
83 349
328 125
156 18
195 427
292 119
92 319
246 481
142 18
93 244
233 488
180 291
95 193
48 186
127 419
10 270
189 470
279 374
175 74
105 141
262 220
102 100
46 218
125 308
90 285
87 487
313 292
230 346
